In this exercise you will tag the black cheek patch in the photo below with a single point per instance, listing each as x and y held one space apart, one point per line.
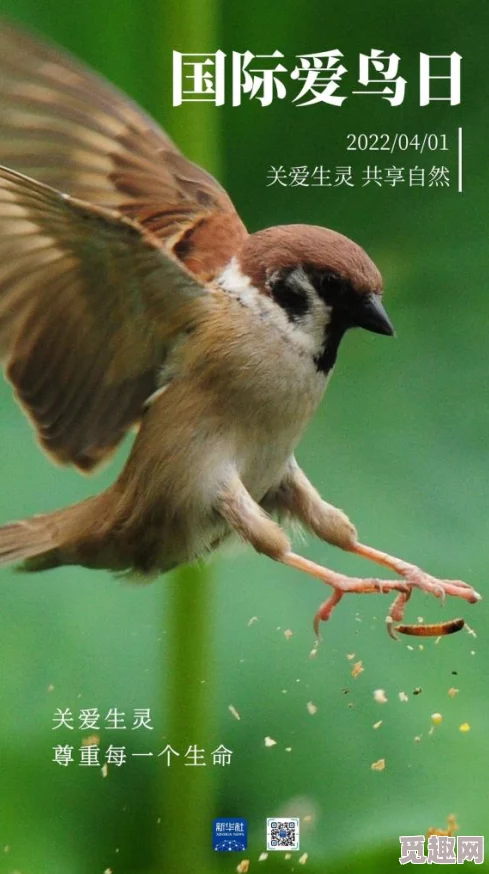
291 298
332 339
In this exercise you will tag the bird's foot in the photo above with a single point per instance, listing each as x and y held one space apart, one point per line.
412 577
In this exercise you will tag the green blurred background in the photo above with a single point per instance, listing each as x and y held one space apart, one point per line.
400 443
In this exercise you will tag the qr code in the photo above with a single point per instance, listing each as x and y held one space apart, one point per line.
283 834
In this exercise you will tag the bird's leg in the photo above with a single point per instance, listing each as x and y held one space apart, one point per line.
250 521
297 498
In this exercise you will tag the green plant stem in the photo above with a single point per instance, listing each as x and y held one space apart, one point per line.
186 792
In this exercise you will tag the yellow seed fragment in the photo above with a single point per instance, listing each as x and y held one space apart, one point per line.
453 691
379 765
357 669
436 718
464 727
303 859
243 867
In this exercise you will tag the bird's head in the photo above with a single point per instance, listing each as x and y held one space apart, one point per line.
323 281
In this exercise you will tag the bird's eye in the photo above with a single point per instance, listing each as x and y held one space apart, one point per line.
332 288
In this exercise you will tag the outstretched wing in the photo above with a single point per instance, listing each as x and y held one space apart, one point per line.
90 305
67 127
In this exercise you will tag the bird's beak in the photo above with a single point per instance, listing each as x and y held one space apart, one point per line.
372 316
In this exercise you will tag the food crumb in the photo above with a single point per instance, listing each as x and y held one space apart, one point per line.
453 691
357 669
105 770
270 742
417 739
436 718
288 749
417 690
243 867
311 708
303 859
233 711
262 857
464 727
252 620
91 740
380 696
379 765
288 856
452 827
377 724
288 633
350 656
403 696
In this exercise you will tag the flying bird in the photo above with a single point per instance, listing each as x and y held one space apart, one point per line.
131 294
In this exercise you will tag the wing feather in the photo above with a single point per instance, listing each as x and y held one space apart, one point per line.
90 306
66 126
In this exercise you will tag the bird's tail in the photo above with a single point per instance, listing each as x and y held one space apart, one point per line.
36 541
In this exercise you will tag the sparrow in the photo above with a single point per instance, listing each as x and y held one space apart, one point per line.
132 295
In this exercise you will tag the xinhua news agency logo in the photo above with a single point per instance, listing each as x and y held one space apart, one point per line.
229 835
442 849
283 834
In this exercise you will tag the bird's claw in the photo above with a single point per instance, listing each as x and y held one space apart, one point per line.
412 578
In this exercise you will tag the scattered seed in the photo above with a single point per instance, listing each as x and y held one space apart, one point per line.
379 765
303 859
270 742
464 727
436 718
453 691
288 633
403 696
377 724
91 740
243 866
357 669
233 711
380 696
263 857
417 690
311 708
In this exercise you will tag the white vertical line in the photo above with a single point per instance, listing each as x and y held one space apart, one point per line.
460 181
